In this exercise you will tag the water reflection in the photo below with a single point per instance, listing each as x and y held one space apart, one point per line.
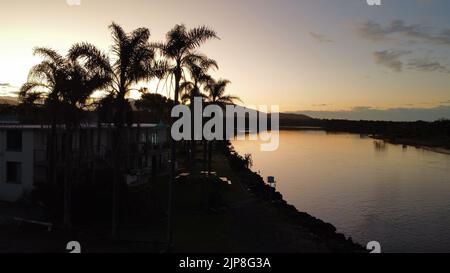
380 145
369 189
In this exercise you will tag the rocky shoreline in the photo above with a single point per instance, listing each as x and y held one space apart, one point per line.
254 183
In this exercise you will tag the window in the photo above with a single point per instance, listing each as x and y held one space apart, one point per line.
155 138
13 172
14 140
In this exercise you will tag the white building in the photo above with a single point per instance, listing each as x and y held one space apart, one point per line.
24 153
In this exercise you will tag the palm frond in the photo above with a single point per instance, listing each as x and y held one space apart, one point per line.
230 99
48 54
199 35
93 57
118 33
186 87
44 71
31 98
160 69
30 87
139 37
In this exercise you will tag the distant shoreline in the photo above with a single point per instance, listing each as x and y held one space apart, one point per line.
301 128
416 144
400 141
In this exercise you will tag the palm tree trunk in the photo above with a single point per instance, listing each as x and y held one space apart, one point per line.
210 157
172 169
194 154
99 133
117 172
114 202
67 223
52 154
116 178
205 153
193 143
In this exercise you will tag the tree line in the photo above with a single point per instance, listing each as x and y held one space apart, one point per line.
60 92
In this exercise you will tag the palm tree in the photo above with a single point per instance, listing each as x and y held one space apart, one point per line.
216 96
46 81
84 79
133 61
216 93
198 66
65 86
178 49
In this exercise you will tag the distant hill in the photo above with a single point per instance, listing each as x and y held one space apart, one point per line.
294 116
9 100
283 116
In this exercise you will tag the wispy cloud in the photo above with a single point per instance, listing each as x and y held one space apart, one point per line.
3 85
398 30
376 32
390 58
7 90
428 65
320 38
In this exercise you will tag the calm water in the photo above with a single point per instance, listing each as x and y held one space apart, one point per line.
369 190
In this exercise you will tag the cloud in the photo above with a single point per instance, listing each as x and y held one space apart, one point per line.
414 33
7 89
427 65
8 93
390 58
371 31
376 32
392 114
4 85
320 38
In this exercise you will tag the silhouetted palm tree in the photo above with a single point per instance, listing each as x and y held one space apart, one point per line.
198 67
216 93
178 49
133 61
84 79
216 96
65 86
46 81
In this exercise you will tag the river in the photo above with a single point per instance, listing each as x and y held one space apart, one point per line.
370 190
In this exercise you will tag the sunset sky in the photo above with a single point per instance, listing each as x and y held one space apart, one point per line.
304 55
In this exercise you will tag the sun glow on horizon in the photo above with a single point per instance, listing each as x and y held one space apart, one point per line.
272 53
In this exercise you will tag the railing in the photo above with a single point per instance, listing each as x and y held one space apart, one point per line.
143 148
99 152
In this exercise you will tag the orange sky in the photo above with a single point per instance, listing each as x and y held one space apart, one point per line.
301 55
